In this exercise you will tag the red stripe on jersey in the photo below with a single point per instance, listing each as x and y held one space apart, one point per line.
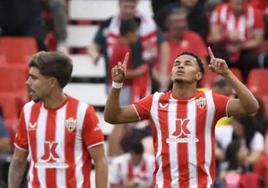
71 112
86 168
32 135
130 170
163 121
183 148
200 146
51 174
143 166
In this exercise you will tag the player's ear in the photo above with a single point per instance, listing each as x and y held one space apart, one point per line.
52 82
198 76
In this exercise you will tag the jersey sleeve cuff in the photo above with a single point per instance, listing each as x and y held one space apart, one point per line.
19 147
96 144
136 111
226 110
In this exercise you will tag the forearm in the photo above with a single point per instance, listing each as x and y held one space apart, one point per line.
16 172
251 44
101 177
247 99
112 107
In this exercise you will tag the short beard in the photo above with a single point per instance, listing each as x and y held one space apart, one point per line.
38 99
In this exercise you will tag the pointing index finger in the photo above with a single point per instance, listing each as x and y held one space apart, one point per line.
126 59
210 53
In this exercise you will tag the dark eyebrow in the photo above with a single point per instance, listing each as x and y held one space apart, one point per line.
32 75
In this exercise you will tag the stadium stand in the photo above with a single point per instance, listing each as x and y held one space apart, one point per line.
257 83
88 79
9 49
209 77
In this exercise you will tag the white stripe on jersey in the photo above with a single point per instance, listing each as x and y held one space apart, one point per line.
154 114
173 150
208 131
223 14
192 155
27 112
82 108
40 140
60 138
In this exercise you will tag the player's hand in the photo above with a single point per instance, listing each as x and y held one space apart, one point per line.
119 70
217 65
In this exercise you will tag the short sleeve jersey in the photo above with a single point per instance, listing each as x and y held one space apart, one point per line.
184 138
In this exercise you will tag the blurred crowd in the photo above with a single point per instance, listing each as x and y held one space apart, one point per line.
236 30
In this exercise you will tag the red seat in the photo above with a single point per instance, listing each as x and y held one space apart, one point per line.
17 49
10 107
237 73
257 83
209 77
265 102
13 80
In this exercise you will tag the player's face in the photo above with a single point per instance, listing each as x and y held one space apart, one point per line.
185 69
136 158
132 37
189 3
127 9
177 23
39 86
238 6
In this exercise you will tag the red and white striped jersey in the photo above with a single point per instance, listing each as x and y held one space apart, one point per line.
122 170
244 24
184 137
58 141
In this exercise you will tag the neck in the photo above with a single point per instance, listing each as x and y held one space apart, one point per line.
183 90
176 36
55 99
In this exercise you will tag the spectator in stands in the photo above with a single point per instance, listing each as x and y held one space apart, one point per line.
233 167
245 131
221 86
236 31
138 80
5 148
58 24
23 18
150 47
196 16
133 169
180 38
4 136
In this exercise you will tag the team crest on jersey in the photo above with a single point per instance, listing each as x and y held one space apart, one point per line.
32 126
201 102
71 124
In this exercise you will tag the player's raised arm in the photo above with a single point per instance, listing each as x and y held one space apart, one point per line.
113 113
246 102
